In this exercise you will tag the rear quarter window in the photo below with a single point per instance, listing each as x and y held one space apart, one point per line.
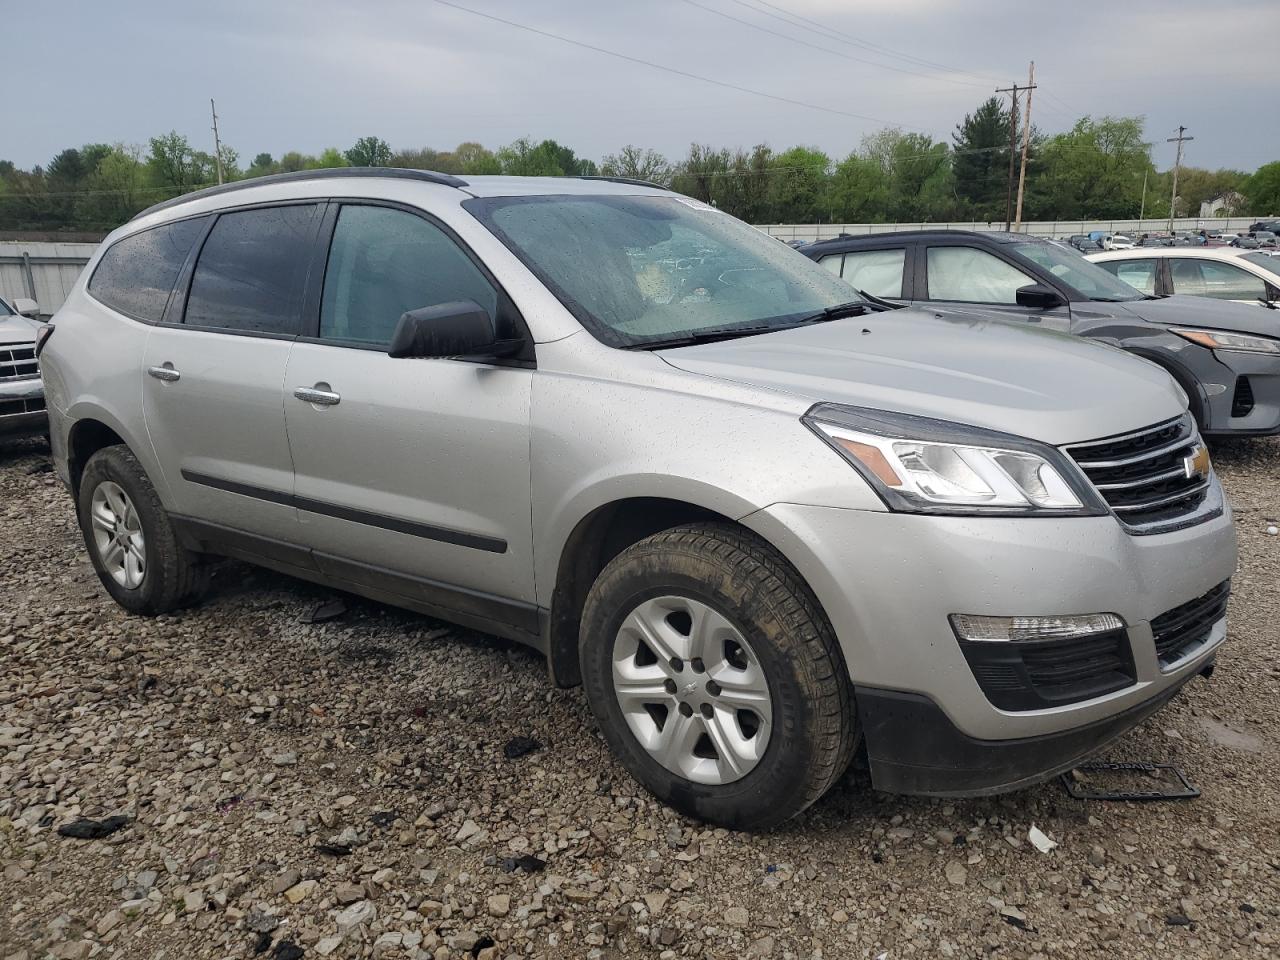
137 273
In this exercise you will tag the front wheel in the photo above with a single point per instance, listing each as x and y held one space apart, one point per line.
715 677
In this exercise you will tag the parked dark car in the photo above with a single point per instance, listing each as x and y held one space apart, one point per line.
1246 243
1084 243
1226 356
1271 226
22 411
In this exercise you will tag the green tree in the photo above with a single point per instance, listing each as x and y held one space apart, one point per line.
980 160
263 164
1095 170
116 189
798 186
918 174
703 174
1197 186
476 159
637 163
859 190
524 158
1262 190
174 167
368 152
329 157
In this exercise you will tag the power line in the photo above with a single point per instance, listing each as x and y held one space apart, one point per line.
813 26
814 46
673 70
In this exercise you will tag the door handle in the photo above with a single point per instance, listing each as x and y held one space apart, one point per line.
320 394
165 372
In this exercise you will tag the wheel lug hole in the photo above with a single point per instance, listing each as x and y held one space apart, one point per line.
713 688
686 710
706 710
677 664
669 685
697 665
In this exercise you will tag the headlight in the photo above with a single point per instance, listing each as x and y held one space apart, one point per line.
921 465
1221 340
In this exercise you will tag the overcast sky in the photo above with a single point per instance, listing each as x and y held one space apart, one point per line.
306 74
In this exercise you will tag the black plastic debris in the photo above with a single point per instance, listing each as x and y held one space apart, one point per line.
92 829
286 950
519 746
262 944
1177 920
528 863
483 943
1248 908
1078 787
1018 922
329 610
383 818
334 849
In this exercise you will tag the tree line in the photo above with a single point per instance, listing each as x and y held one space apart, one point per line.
1101 168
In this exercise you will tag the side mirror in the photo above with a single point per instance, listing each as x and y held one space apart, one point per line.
1038 297
27 307
461 328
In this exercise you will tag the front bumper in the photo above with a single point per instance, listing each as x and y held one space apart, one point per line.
22 408
1250 403
912 746
889 581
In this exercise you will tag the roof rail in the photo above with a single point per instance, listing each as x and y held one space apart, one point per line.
326 173
629 180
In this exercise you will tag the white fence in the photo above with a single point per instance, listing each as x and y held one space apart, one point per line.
1039 228
45 272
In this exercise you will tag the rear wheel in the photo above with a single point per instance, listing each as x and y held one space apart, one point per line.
715 677
131 542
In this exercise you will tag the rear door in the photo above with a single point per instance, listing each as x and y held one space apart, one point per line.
1141 273
213 383
973 281
1211 278
882 272
412 477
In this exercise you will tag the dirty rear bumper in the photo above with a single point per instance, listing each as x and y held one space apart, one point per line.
913 748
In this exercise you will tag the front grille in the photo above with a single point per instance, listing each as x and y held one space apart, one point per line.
1036 674
1242 399
1143 476
1184 629
17 363
12 408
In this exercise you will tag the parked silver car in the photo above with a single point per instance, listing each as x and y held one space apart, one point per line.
21 393
761 522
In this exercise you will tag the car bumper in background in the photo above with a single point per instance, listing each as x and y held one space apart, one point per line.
1250 404
22 409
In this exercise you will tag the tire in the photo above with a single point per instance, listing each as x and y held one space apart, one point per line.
170 576
702 572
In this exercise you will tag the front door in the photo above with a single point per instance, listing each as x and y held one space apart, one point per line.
974 282
411 475
213 384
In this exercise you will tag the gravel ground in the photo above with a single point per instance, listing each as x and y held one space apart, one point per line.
342 789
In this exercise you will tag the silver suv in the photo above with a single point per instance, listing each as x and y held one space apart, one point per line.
761 523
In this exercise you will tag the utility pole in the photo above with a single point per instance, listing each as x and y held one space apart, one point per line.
1026 143
1013 146
1142 211
217 145
1177 163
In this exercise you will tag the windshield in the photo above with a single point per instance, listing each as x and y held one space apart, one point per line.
1086 276
1265 261
4 309
641 269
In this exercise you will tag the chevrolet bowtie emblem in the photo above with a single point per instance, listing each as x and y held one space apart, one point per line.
1197 465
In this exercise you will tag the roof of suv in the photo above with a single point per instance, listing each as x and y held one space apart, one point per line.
486 186
994 236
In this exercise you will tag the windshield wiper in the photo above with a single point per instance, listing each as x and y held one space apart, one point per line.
853 308
880 302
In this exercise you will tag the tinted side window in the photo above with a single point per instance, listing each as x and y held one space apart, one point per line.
137 274
1139 274
967 273
878 272
251 271
384 262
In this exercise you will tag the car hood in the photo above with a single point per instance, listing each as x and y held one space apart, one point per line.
16 329
986 372
1184 311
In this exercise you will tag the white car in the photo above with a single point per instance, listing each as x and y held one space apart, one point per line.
1224 273
1119 242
